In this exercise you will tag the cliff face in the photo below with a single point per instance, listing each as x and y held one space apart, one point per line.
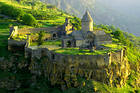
65 71
67 74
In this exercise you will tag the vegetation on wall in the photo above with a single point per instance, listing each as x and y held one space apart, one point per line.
40 38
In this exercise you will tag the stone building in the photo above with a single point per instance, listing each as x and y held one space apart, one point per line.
86 37
54 33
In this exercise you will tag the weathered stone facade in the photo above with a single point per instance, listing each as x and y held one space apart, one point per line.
86 37
87 22
57 32
65 69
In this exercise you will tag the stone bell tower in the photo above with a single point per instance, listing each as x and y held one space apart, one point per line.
87 22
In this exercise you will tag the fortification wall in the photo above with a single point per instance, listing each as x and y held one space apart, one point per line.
65 69
98 60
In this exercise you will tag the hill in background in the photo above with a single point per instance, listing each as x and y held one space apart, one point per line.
121 13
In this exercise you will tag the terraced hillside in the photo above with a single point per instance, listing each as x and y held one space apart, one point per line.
45 18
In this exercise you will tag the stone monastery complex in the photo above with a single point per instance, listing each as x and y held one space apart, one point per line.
64 44
61 54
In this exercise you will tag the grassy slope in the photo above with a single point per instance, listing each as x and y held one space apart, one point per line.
4 23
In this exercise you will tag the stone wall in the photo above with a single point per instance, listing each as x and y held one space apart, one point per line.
99 60
35 30
102 38
65 69
16 45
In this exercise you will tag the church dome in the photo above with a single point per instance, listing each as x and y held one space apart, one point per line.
87 17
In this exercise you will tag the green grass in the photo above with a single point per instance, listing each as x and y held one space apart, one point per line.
57 43
103 88
76 51
113 46
4 23
50 23
52 17
4 32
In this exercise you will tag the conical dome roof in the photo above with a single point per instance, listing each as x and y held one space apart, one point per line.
87 17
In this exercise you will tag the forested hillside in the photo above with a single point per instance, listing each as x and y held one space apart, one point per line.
121 13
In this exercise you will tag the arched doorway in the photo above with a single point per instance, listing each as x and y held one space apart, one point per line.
54 35
53 56
69 44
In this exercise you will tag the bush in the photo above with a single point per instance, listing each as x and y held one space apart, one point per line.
42 15
11 11
40 38
28 19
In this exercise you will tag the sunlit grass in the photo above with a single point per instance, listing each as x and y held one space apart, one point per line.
98 86
76 51
16 4
113 46
57 43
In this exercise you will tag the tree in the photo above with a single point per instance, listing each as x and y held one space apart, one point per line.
40 38
112 27
34 3
28 19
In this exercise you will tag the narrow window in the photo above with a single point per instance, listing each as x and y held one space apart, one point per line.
53 56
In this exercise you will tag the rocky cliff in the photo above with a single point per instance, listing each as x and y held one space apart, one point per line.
65 74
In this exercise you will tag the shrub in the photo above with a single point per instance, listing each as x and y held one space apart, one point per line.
42 15
11 11
40 38
28 19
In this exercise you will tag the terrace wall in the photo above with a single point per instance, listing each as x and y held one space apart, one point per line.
65 69
95 60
